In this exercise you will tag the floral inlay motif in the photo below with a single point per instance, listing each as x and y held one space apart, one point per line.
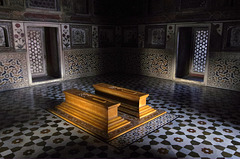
163 151
58 140
207 150
17 141
218 139
19 36
66 36
178 139
227 130
45 131
191 130
28 152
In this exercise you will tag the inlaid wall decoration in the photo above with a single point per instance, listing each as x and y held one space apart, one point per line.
155 36
13 71
141 36
95 36
66 36
231 36
86 62
219 28
19 36
216 35
150 62
106 36
170 32
130 36
6 36
43 4
155 64
224 70
81 36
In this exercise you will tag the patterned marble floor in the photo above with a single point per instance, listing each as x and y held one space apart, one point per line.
208 124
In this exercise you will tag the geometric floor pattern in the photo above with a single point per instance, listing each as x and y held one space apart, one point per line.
208 123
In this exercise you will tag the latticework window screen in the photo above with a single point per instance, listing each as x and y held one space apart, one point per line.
200 50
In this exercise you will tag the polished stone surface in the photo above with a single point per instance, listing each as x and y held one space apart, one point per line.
208 123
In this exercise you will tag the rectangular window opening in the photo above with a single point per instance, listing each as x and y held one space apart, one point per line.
192 53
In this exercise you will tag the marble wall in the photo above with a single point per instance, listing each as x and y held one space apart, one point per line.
159 61
79 60
86 58
151 58
224 70
149 62
93 59
89 62
13 71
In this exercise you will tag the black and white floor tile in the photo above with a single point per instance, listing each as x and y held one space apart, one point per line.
208 123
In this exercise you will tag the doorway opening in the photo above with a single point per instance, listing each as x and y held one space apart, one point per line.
192 53
43 53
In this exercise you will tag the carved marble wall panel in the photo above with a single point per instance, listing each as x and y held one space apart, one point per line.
150 62
66 36
231 36
81 36
86 62
19 36
224 70
13 71
155 36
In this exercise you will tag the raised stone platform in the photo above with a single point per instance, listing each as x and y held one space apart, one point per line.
134 123
99 116
132 102
96 111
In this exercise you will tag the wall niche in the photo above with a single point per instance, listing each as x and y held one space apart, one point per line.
231 37
6 41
